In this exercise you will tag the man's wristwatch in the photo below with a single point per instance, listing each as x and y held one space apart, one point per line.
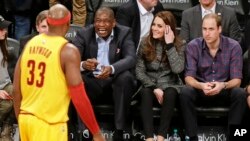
225 85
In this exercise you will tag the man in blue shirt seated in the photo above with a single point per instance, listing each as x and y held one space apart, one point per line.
213 75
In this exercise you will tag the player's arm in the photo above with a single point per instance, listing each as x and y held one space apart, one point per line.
70 61
17 96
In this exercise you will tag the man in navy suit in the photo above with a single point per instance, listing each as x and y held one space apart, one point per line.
138 14
192 20
108 53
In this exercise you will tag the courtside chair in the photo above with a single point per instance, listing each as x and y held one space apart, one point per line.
13 50
73 28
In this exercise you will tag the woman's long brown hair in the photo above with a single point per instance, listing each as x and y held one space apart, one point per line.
149 52
3 46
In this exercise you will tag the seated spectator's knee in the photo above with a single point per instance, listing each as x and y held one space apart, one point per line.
125 77
5 107
170 93
146 94
186 92
238 93
248 101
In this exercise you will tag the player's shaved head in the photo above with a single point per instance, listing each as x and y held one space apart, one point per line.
58 11
58 19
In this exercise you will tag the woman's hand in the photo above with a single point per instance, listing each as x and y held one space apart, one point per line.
4 95
169 35
159 94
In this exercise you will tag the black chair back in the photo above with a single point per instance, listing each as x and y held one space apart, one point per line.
241 8
72 31
13 46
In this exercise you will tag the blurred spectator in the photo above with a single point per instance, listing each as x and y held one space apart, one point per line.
40 6
107 54
67 3
41 27
78 11
138 14
192 20
213 75
21 10
91 6
160 60
6 87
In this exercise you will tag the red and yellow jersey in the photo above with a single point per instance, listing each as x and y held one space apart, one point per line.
43 85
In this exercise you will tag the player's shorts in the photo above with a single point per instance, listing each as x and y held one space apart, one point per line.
32 128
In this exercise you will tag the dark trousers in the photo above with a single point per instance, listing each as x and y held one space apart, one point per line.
6 106
235 99
121 86
148 100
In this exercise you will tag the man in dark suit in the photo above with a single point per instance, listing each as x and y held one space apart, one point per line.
138 14
192 20
108 53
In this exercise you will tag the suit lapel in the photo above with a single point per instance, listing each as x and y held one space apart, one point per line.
112 51
93 49
218 9
136 24
198 21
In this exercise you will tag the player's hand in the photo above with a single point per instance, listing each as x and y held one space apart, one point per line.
159 95
98 137
169 35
